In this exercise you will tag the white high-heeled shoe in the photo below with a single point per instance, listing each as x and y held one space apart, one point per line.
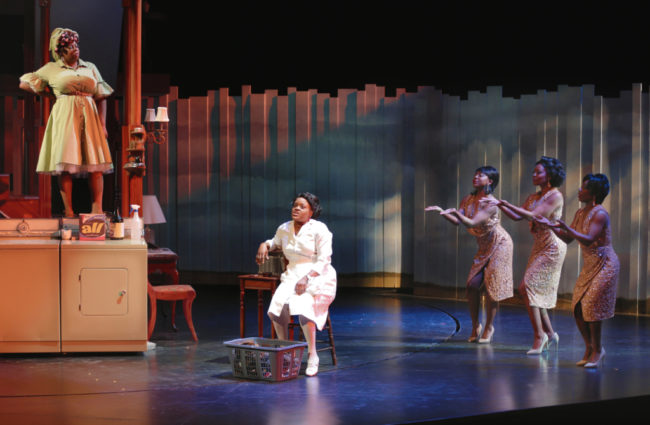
541 348
598 362
312 366
555 339
488 339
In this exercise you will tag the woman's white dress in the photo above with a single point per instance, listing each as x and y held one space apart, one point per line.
310 249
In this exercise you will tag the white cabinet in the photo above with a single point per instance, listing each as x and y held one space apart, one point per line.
65 296
103 296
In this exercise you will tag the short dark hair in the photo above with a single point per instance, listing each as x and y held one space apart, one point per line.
554 169
597 185
492 174
312 200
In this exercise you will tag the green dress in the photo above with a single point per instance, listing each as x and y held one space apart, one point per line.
74 140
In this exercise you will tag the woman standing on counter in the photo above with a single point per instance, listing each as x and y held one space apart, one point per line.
75 137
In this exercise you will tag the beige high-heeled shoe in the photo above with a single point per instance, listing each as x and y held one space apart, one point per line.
478 333
541 348
583 362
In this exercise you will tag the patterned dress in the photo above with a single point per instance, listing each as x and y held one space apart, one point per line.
542 276
494 254
74 139
595 289
310 249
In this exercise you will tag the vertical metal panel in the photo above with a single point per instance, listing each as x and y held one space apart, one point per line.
321 152
270 181
637 206
199 152
247 253
213 195
286 188
183 170
343 182
363 199
305 163
620 136
391 180
230 184
259 152
425 144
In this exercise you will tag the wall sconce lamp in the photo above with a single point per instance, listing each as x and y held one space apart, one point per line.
156 123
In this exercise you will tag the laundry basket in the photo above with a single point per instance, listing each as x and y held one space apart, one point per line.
265 359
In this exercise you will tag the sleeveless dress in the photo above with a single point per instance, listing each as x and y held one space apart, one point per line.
74 139
542 276
595 288
494 255
310 249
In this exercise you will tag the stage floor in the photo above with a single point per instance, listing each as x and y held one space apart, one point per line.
402 359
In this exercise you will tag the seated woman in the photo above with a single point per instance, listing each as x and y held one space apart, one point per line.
308 285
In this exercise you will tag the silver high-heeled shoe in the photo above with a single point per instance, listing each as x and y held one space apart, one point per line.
554 340
541 348
478 333
488 339
597 363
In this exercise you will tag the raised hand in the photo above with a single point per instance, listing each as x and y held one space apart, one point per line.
262 253
433 208
301 286
540 219
490 201
560 225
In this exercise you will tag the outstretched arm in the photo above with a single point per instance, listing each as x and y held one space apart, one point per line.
513 212
598 222
556 227
479 218
508 209
444 213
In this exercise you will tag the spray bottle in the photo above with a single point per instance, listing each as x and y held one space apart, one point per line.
137 226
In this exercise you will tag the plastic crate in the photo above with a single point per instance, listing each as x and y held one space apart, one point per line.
265 359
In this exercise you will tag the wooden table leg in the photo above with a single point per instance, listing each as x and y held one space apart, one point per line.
242 312
260 309
273 334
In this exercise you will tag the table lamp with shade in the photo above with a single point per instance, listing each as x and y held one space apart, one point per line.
151 214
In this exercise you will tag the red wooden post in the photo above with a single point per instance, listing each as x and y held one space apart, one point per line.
132 183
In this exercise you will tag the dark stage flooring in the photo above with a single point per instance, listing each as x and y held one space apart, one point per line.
402 359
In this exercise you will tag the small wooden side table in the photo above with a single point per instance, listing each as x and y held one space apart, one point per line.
260 283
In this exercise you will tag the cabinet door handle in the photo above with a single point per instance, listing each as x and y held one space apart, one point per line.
122 293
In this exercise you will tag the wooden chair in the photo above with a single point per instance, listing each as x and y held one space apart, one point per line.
330 339
172 293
